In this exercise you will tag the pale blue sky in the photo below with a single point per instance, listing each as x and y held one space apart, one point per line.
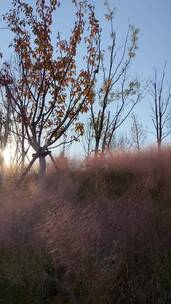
153 19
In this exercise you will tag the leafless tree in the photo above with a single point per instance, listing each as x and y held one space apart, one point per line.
20 143
120 142
5 123
161 115
88 138
116 97
138 133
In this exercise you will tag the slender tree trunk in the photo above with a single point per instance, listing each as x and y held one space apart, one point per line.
42 167
22 148
97 143
159 145
53 161
27 169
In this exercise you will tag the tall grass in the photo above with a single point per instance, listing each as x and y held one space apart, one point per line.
98 232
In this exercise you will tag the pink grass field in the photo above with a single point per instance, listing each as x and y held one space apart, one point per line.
106 223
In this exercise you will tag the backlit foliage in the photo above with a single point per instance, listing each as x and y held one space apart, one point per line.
48 91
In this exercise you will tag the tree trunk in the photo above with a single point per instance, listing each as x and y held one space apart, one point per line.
97 144
22 148
159 145
42 167
27 169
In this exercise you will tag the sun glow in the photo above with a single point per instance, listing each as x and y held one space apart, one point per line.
7 154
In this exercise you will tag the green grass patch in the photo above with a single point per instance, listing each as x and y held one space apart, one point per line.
26 277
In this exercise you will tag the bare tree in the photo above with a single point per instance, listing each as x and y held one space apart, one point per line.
88 138
5 123
161 116
120 142
20 143
117 95
138 133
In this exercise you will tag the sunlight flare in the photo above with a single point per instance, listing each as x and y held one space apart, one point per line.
7 154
